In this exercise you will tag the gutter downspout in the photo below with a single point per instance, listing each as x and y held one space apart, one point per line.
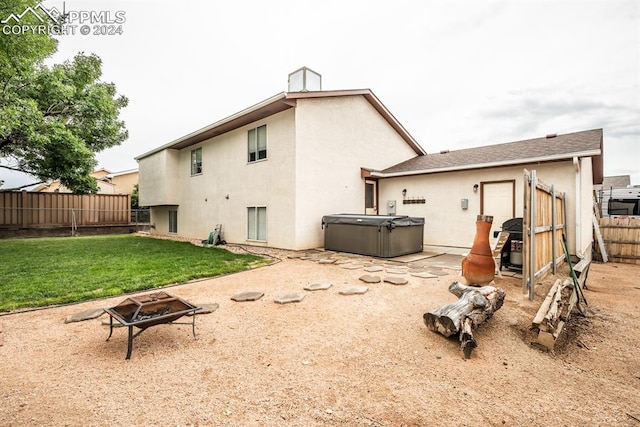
578 215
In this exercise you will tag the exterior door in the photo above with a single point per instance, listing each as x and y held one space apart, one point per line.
370 197
498 200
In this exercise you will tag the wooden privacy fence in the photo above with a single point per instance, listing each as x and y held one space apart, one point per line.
621 237
25 210
543 223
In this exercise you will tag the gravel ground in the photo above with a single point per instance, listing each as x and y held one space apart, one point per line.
360 360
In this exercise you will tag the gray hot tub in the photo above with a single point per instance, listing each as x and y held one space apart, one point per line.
382 236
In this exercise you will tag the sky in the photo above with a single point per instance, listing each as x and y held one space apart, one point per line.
456 73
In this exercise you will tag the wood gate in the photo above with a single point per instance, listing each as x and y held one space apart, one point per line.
543 224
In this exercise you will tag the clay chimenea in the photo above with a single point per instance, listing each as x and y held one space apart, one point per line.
478 267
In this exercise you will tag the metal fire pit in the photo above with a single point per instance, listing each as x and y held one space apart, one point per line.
149 310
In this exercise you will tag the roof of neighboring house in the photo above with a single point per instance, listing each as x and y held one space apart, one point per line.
124 172
276 104
546 149
616 181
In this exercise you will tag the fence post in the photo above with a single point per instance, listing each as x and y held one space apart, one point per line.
24 202
532 234
553 229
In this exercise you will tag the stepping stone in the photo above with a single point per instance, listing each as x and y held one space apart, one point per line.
343 261
351 266
438 272
327 261
395 270
247 296
367 278
85 315
205 309
396 280
354 290
289 298
373 268
317 287
424 275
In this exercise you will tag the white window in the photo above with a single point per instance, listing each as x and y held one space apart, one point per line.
173 221
196 161
257 224
257 143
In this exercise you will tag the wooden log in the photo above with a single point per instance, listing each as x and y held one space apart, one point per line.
474 306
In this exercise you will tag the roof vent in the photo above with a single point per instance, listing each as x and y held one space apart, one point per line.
304 80
551 135
444 151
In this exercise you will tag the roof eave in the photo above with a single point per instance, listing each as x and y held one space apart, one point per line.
566 156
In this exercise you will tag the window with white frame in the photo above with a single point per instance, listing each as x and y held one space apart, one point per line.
257 143
196 161
257 223
173 221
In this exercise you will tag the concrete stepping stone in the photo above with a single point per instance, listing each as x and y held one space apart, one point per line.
396 270
317 287
396 280
368 278
424 275
247 296
351 266
373 268
289 298
343 261
438 272
327 261
205 309
85 315
354 290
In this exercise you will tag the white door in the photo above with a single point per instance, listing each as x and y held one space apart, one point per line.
370 197
497 201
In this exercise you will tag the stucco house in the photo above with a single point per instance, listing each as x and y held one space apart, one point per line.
458 185
122 182
270 172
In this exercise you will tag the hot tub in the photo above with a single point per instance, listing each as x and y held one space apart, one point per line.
382 236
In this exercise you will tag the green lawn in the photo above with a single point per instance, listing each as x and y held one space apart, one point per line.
41 272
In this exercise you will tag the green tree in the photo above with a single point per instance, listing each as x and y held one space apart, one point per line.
53 119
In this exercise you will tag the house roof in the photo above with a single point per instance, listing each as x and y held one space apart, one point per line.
546 149
275 104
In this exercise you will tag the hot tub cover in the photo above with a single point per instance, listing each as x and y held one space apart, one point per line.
389 221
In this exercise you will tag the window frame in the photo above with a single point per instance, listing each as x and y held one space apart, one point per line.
173 221
257 146
259 234
194 161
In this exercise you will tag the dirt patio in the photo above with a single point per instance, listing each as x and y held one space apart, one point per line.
331 359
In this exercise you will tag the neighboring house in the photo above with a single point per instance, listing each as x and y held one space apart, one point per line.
108 182
458 185
269 173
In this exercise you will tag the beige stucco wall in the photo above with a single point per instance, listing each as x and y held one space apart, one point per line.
125 183
447 224
226 171
335 138
159 175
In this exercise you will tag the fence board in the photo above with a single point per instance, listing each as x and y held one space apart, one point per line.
25 209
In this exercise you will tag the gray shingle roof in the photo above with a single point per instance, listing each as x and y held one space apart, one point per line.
559 147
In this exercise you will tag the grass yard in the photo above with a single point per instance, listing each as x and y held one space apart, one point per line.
41 272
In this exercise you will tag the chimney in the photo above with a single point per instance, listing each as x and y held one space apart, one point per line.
304 80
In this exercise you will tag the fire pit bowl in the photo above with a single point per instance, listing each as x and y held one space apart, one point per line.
149 310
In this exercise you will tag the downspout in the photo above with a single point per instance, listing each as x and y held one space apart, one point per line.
578 215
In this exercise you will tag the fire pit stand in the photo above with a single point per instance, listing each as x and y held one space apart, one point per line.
149 310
